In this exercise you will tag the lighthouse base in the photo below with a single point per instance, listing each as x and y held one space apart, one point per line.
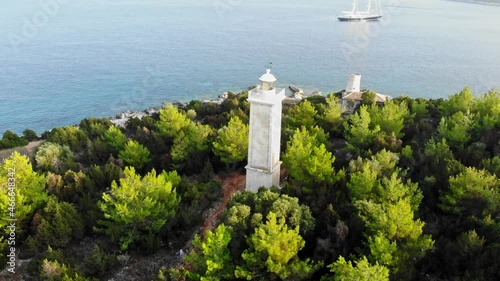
257 178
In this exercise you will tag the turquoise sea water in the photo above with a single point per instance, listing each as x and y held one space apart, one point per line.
82 58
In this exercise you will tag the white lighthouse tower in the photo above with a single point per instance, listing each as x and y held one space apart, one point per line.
264 163
353 84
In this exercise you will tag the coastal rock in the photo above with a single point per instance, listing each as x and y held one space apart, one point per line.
152 110
219 101
121 119
298 95
224 95
295 89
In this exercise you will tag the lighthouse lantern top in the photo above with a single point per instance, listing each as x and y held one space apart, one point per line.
268 77
267 81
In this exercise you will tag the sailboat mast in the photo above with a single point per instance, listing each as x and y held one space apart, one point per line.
358 14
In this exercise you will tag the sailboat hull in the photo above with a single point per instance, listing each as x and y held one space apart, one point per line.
359 18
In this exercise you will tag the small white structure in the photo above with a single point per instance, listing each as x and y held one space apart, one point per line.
353 96
353 83
264 163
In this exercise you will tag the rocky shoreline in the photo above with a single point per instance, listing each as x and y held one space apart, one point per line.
120 120
294 94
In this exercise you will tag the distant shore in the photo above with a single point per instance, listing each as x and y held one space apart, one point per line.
481 2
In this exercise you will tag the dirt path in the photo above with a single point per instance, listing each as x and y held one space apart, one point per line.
140 267
143 267
25 150
230 184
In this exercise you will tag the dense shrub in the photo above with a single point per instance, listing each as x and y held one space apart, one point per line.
30 135
10 140
58 224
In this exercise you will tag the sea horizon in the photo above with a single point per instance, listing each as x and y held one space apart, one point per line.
98 59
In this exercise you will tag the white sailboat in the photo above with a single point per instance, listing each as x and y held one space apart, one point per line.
371 13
